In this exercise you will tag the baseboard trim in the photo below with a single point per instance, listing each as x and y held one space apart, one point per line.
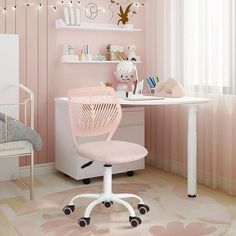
39 169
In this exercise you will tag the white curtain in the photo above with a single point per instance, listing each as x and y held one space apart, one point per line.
207 32
193 41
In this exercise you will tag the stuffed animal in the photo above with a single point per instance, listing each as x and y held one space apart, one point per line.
169 88
131 53
125 74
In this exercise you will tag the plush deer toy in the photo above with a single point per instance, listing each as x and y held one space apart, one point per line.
169 88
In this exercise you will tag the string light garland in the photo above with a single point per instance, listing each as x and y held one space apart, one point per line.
70 3
114 2
14 8
39 5
136 5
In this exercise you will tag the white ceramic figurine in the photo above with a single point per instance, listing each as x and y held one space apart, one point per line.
131 53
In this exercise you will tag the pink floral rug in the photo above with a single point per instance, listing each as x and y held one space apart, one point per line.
171 214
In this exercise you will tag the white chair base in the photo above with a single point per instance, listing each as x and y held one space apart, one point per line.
107 198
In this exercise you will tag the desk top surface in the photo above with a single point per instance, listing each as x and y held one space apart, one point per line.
165 101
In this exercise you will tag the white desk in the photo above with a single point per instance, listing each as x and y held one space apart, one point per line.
192 131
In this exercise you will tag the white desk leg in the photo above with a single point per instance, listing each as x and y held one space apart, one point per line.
192 152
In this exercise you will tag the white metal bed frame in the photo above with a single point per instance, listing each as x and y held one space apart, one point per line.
20 148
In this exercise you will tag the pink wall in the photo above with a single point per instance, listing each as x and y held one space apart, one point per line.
40 52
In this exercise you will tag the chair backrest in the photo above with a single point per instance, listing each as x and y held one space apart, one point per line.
93 111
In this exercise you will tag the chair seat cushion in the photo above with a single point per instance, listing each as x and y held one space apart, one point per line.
112 151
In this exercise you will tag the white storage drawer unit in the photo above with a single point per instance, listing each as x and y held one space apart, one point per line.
69 162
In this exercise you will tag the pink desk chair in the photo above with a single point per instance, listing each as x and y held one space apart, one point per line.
96 111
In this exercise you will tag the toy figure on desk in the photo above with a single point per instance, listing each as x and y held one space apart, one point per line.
126 73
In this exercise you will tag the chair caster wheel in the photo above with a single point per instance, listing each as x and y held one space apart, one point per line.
143 209
130 173
135 221
87 181
68 209
83 221
108 204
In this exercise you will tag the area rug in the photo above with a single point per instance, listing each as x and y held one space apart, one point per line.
171 214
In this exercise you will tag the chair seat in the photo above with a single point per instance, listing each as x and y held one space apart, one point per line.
112 152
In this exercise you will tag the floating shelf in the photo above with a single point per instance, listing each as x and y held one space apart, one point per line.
60 24
95 62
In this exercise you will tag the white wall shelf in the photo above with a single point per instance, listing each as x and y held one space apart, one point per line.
60 24
95 62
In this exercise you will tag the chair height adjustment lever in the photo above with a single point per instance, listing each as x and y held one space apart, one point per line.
87 164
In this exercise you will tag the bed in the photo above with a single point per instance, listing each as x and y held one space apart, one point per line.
24 111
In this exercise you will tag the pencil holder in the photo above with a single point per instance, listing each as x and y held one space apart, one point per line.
151 83
153 91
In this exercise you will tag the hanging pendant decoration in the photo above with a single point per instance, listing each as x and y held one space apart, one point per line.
91 10
112 3
124 15
128 13
111 10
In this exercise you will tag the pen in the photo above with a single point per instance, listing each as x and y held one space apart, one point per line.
135 86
